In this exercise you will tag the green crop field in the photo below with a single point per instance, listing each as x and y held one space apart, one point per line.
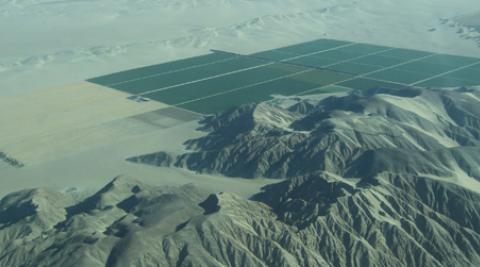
161 68
287 86
273 55
362 49
220 80
399 76
449 60
406 54
329 89
322 77
448 82
315 62
189 75
355 68
222 84
379 60
471 74
364 84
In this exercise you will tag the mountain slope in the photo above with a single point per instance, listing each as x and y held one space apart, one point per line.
412 131
315 220
376 178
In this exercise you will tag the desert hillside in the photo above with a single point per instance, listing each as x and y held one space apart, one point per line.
374 178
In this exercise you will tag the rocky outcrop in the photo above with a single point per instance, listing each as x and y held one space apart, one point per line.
375 178
315 220
438 130
10 161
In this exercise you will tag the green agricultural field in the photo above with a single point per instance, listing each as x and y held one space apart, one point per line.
379 60
365 84
399 76
470 74
312 47
329 89
449 60
337 55
222 84
273 55
363 49
448 81
425 67
354 68
220 80
312 61
189 75
322 77
161 68
287 86
406 54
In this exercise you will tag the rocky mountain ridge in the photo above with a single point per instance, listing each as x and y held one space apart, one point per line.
362 134
375 178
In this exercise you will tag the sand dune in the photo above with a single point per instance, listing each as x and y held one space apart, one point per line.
75 40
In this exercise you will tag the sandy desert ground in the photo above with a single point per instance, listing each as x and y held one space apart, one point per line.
78 135
52 43
73 137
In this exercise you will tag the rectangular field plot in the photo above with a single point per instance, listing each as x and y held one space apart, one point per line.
354 68
449 60
161 68
220 80
287 86
406 54
379 60
425 67
312 47
273 55
337 55
447 81
364 49
347 53
470 74
312 61
140 86
329 89
322 77
399 76
365 84
223 84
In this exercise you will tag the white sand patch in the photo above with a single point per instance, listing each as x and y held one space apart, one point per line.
91 169
465 180
418 106
78 137
413 141
45 125
459 177
44 45
423 109
470 19
443 140
473 96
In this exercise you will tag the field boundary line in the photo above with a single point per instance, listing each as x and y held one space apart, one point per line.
446 73
172 71
244 87
235 56
205 79
318 52
360 57
310 69
365 75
